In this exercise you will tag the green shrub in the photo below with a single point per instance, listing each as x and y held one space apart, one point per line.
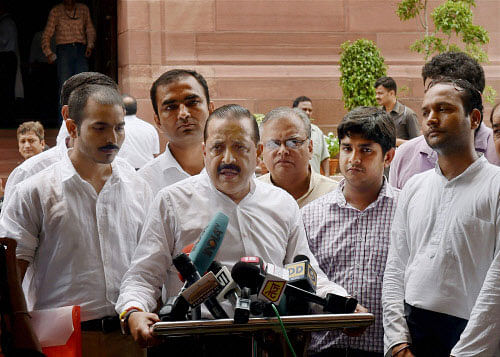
333 144
361 64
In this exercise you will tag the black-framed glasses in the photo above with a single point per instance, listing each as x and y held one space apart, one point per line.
289 143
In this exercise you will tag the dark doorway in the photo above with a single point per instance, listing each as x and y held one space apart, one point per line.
40 100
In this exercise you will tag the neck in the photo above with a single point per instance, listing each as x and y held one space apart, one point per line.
454 163
189 157
389 107
361 197
69 6
94 173
296 186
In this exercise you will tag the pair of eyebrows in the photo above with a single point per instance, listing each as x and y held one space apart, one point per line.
188 97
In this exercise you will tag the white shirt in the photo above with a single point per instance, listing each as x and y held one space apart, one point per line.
444 255
141 142
320 149
62 134
163 171
32 166
266 223
78 243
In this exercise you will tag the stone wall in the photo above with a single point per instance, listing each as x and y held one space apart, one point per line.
262 54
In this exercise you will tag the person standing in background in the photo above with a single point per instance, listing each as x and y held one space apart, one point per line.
72 27
320 155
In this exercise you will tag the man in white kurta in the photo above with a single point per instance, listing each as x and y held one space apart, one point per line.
263 220
441 289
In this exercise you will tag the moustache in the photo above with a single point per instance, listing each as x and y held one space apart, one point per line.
228 167
109 147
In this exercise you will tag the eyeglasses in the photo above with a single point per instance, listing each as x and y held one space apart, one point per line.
289 143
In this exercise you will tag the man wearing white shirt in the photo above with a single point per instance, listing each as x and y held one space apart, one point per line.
441 285
181 103
43 160
141 143
77 223
258 223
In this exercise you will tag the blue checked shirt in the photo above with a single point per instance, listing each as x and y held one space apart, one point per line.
351 248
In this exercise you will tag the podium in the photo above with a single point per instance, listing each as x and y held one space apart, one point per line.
256 328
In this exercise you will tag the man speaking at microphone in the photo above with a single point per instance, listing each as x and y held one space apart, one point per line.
263 221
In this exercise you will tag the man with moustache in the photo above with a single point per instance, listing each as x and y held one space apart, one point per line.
441 290
77 223
181 104
495 124
287 149
43 160
181 211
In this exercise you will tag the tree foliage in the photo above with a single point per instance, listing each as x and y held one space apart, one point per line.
361 64
451 19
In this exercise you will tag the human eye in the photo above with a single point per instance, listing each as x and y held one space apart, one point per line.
272 144
120 128
216 148
367 150
346 148
98 127
193 102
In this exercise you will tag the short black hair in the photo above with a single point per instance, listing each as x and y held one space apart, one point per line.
233 111
173 76
286 112
388 83
471 97
456 65
493 112
371 123
130 104
299 100
81 79
80 96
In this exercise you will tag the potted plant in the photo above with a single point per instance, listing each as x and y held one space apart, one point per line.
333 149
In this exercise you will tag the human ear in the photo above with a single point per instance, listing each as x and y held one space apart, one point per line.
388 157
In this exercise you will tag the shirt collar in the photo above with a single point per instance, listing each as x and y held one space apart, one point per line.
170 162
398 108
339 198
205 177
476 165
68 171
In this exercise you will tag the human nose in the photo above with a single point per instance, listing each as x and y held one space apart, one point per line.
282 149
355 157
228 157
432 118
183 112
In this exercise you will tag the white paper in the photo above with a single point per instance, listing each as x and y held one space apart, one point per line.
53 327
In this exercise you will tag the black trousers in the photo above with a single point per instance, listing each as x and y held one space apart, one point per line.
433 334
345 352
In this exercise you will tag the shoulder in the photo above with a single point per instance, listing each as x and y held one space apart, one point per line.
39 162
265 178
153 166
411 146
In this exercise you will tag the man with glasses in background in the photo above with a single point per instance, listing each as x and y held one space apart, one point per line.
286 137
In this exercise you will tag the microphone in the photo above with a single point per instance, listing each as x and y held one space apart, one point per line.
251 276
242 307
204 251
188 271
175 309
303 276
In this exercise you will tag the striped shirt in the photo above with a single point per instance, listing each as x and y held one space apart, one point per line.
351 248
69 27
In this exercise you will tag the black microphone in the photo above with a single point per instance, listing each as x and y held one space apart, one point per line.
252 276
190 274
303 276
175 309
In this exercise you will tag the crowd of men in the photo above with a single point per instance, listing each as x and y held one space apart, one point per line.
96 231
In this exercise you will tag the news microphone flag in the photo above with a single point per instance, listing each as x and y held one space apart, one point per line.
206 248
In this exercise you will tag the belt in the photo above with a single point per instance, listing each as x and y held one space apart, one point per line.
106 324
346 352
74 44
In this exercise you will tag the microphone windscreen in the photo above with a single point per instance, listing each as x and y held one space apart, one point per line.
246 275
300 258
184 265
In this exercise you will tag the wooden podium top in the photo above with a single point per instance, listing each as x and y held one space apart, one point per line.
227 326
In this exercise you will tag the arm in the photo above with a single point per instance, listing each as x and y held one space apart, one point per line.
48 32
325 165
481 336
412 125
393 291
90 31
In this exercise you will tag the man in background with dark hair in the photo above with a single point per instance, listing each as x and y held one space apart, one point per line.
320 155
141 143
287 148
181 211
77 223
495 124
30 139
405 120
348 229
416 155
441 290
43 160
181 104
